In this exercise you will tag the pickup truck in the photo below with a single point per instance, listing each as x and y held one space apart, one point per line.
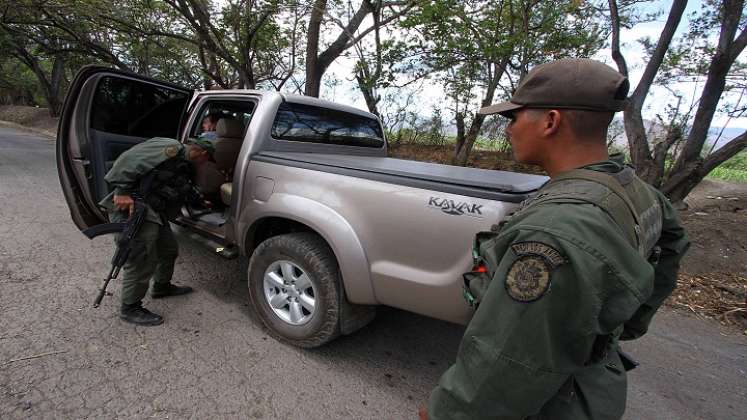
331 226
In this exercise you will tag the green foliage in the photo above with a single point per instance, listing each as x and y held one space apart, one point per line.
734 169
726 174
465 39
479 49
435 134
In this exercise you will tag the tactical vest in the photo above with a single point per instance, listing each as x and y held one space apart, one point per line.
627 199
169 186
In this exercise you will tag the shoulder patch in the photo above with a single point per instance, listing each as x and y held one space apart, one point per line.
528 278
552 255
171 151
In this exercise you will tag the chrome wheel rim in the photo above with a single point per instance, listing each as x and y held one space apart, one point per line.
289 292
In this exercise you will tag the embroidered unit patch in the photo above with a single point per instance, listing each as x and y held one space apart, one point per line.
528 278
171 151
552 255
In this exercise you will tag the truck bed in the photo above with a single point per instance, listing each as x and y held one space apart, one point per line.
472 182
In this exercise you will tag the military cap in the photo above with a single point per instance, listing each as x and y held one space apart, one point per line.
204 144
569 83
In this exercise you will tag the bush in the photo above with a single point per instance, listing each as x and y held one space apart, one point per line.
734 169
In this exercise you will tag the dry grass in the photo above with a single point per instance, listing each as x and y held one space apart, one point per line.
720 296
28 116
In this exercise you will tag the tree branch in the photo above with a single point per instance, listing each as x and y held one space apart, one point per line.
622 66
362 34
654 63
725 152
738 45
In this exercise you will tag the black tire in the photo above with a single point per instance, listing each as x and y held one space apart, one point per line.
312 255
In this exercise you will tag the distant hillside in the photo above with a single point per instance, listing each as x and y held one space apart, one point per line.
728 133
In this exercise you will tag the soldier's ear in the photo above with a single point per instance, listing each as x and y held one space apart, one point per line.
551 122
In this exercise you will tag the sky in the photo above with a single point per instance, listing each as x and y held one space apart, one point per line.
432 95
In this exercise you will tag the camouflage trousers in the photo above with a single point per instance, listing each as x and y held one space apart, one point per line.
153 254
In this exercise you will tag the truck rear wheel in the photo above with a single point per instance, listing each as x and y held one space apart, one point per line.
295 290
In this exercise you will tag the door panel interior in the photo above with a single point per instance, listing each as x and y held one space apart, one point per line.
125 112
106 112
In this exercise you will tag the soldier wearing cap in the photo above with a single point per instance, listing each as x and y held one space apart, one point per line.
583 264
166 165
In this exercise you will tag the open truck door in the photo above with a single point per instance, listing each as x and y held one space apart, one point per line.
106 112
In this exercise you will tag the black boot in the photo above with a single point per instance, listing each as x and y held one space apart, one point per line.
162 291
136 314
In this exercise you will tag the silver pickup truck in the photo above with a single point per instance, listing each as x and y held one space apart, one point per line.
304 189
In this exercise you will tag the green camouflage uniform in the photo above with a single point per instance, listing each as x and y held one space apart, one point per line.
154 249
565 281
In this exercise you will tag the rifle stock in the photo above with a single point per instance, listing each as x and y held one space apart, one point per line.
104 229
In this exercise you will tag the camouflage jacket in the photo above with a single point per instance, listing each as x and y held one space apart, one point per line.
565 282
130 167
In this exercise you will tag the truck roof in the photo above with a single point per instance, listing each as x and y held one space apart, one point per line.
298 99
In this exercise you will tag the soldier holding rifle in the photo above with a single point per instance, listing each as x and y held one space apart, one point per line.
159 172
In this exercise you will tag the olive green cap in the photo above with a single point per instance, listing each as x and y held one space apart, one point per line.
569 83
204 144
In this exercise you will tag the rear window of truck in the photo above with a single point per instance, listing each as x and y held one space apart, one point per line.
311 124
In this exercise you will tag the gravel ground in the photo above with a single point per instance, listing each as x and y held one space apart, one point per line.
60 358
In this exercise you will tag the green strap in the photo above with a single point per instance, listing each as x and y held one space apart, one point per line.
604 179
612 184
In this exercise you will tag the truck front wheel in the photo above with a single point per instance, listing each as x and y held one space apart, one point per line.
295 290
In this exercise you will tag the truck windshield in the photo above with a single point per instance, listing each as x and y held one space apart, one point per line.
311 124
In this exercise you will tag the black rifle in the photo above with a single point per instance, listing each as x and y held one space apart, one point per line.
127 230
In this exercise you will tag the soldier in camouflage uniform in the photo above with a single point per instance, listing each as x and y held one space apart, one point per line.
167 165
582 265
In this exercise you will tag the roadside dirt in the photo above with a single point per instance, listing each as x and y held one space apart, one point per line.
29 116
713 283
716 220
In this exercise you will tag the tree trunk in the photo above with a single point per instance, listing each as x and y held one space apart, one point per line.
709 99
690 168
469 140
53 102
317 64
313 73
682 182
640 153
55 84
459 117
370 96
688 179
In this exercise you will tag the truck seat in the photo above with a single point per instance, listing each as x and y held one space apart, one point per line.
225 193
209 180
228 143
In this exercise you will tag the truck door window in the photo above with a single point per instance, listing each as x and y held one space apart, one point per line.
137 109
311 124
213 111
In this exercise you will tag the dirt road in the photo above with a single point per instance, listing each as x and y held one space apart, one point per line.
59 358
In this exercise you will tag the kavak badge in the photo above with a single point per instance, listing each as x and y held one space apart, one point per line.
529 276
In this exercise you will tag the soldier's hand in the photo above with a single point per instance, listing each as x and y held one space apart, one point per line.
423 413
124 203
